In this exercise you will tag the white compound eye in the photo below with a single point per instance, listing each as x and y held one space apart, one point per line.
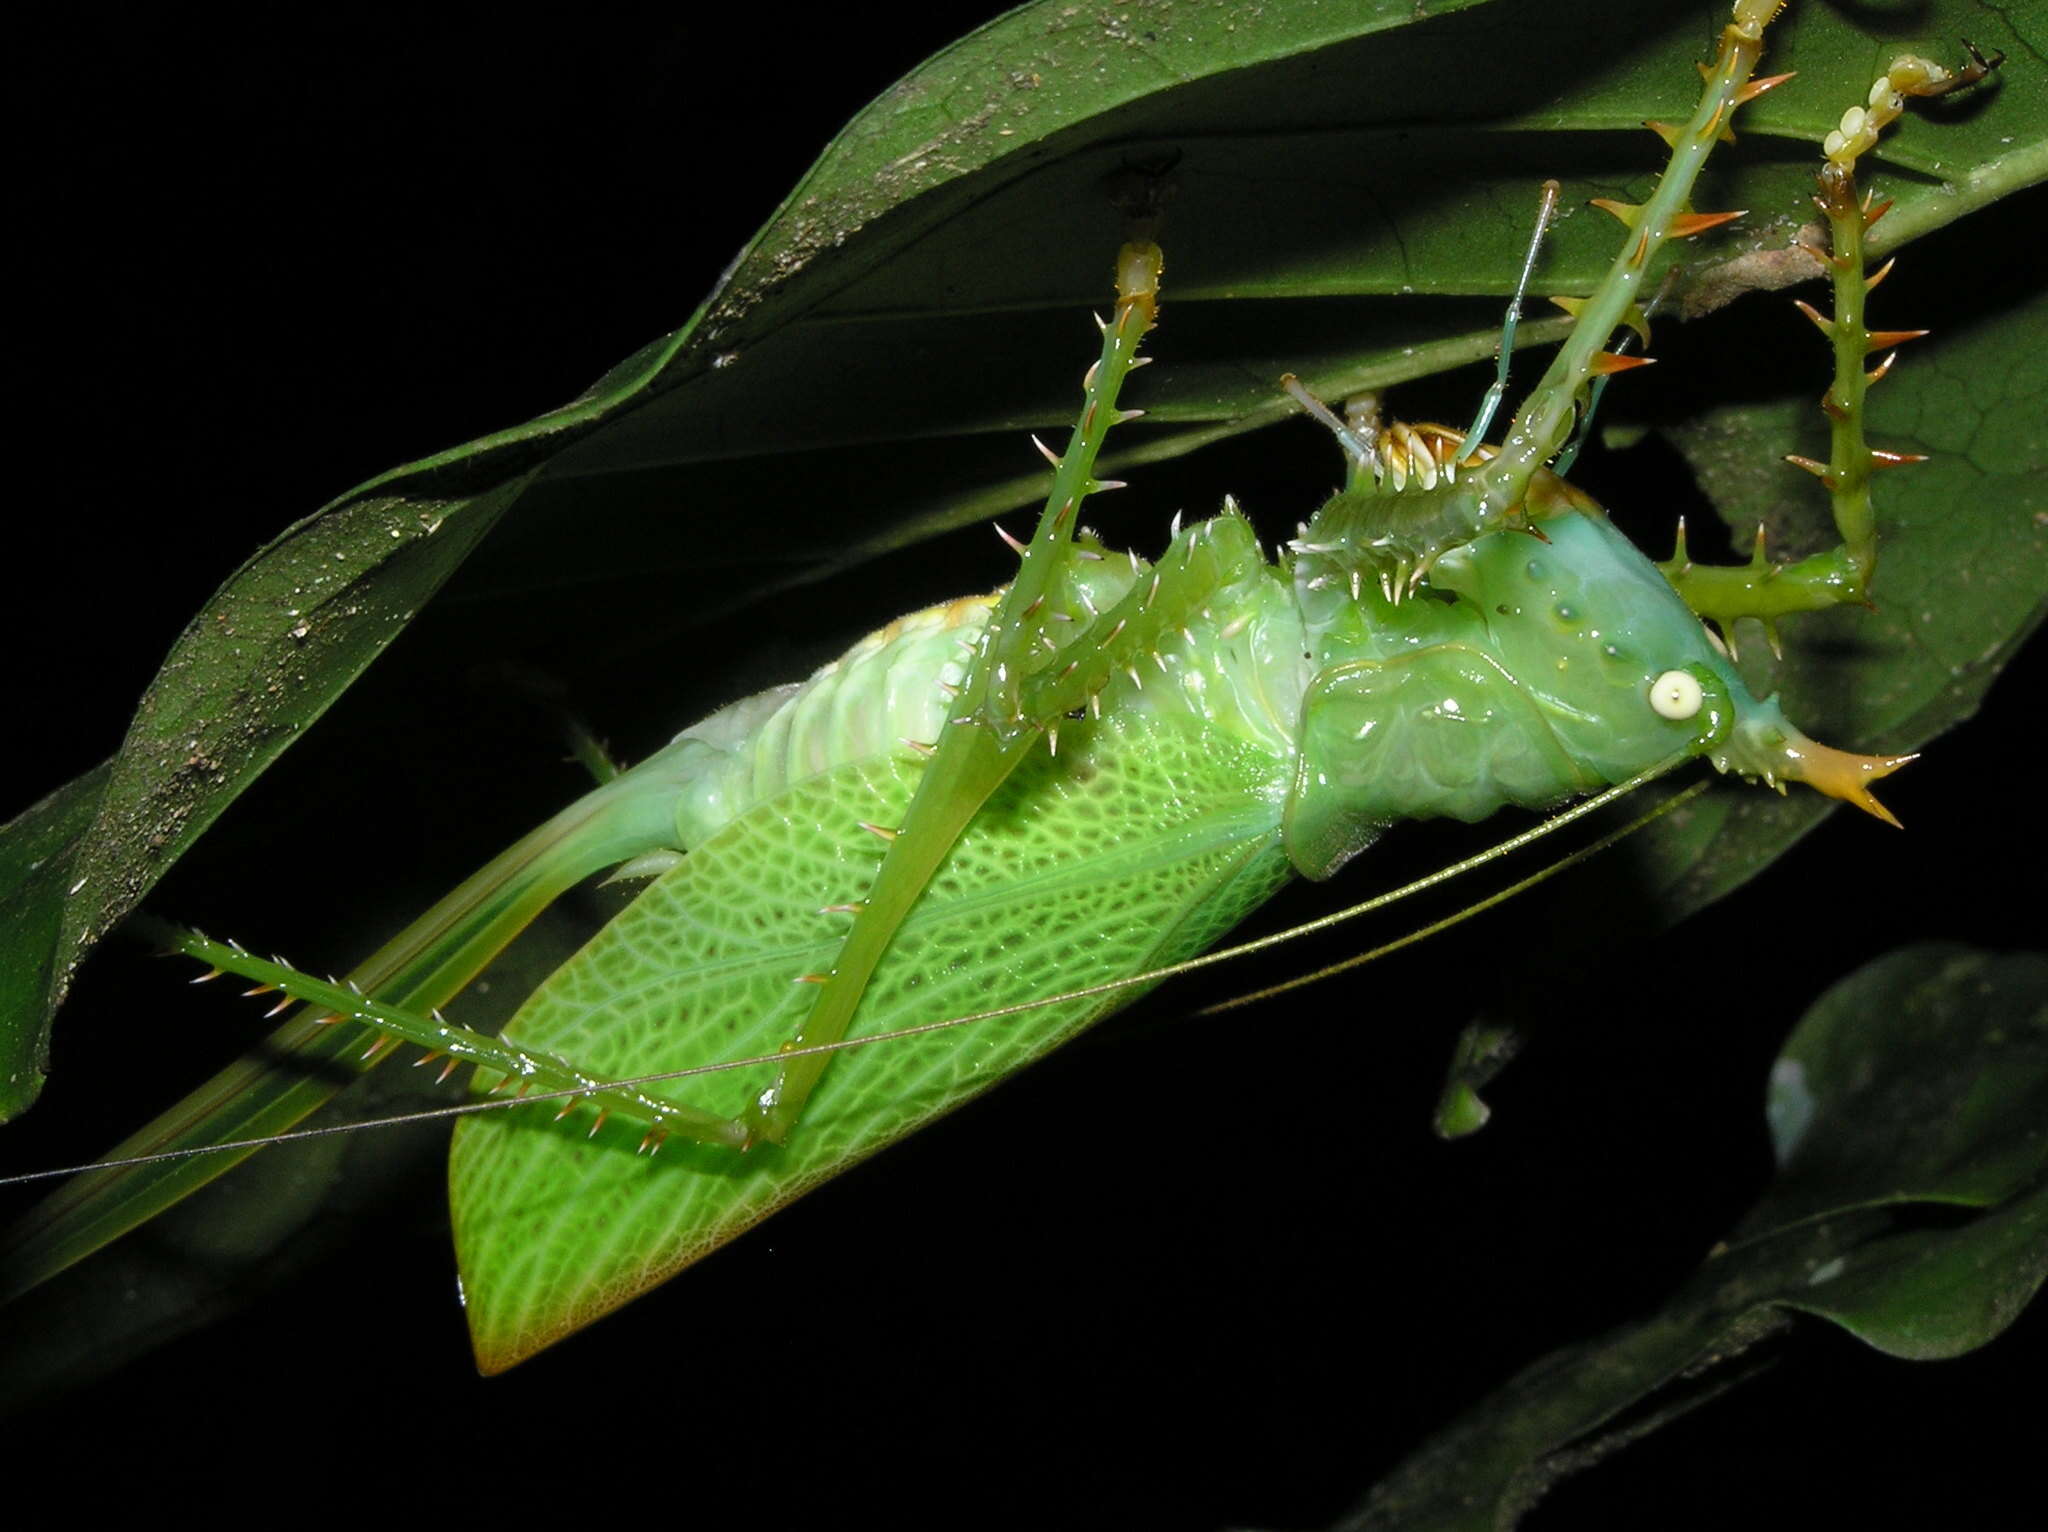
1676 695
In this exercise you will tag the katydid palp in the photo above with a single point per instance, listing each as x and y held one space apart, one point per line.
1078 749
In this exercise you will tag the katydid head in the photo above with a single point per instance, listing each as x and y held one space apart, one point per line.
1526 668
1625 672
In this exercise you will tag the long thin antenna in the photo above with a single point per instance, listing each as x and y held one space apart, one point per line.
1546 210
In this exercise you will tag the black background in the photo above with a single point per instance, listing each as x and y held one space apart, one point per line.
269 263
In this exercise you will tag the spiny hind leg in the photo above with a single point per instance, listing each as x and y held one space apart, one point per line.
1008 698
995 717
383 1027
1765 590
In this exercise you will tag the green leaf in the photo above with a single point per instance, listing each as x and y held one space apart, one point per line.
37 852
1929 1294
1920 1079
294 626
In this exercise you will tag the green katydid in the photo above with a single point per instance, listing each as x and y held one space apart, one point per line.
1072 746
1312 707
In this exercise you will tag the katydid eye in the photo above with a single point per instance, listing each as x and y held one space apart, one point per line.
1676 695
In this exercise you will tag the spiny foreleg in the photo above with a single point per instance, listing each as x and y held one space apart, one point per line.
1765 590
1544 422
1395 538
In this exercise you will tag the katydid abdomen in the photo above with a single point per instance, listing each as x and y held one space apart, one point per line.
1138 845
1148 834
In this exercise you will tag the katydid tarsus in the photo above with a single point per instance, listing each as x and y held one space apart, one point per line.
1332 844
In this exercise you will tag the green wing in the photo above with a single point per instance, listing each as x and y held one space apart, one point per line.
1139 844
